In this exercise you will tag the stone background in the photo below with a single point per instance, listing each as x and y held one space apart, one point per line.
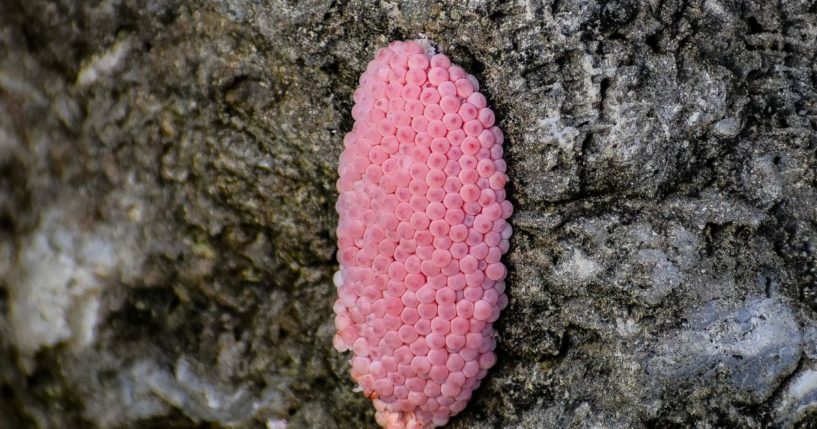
167 217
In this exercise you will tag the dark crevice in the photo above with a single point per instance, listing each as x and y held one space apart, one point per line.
604 86
653 41
778 390
754 25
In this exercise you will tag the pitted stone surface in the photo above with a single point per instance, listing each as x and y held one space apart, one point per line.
168 176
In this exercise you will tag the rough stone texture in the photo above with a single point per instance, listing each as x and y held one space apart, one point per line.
167 177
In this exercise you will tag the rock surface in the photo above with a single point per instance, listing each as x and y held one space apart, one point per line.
167 188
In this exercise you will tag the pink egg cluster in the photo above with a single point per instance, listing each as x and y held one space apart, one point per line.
422 229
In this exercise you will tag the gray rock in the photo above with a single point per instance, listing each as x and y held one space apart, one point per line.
798 400
754 348
167 174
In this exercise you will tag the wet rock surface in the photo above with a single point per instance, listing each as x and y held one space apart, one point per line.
167 189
